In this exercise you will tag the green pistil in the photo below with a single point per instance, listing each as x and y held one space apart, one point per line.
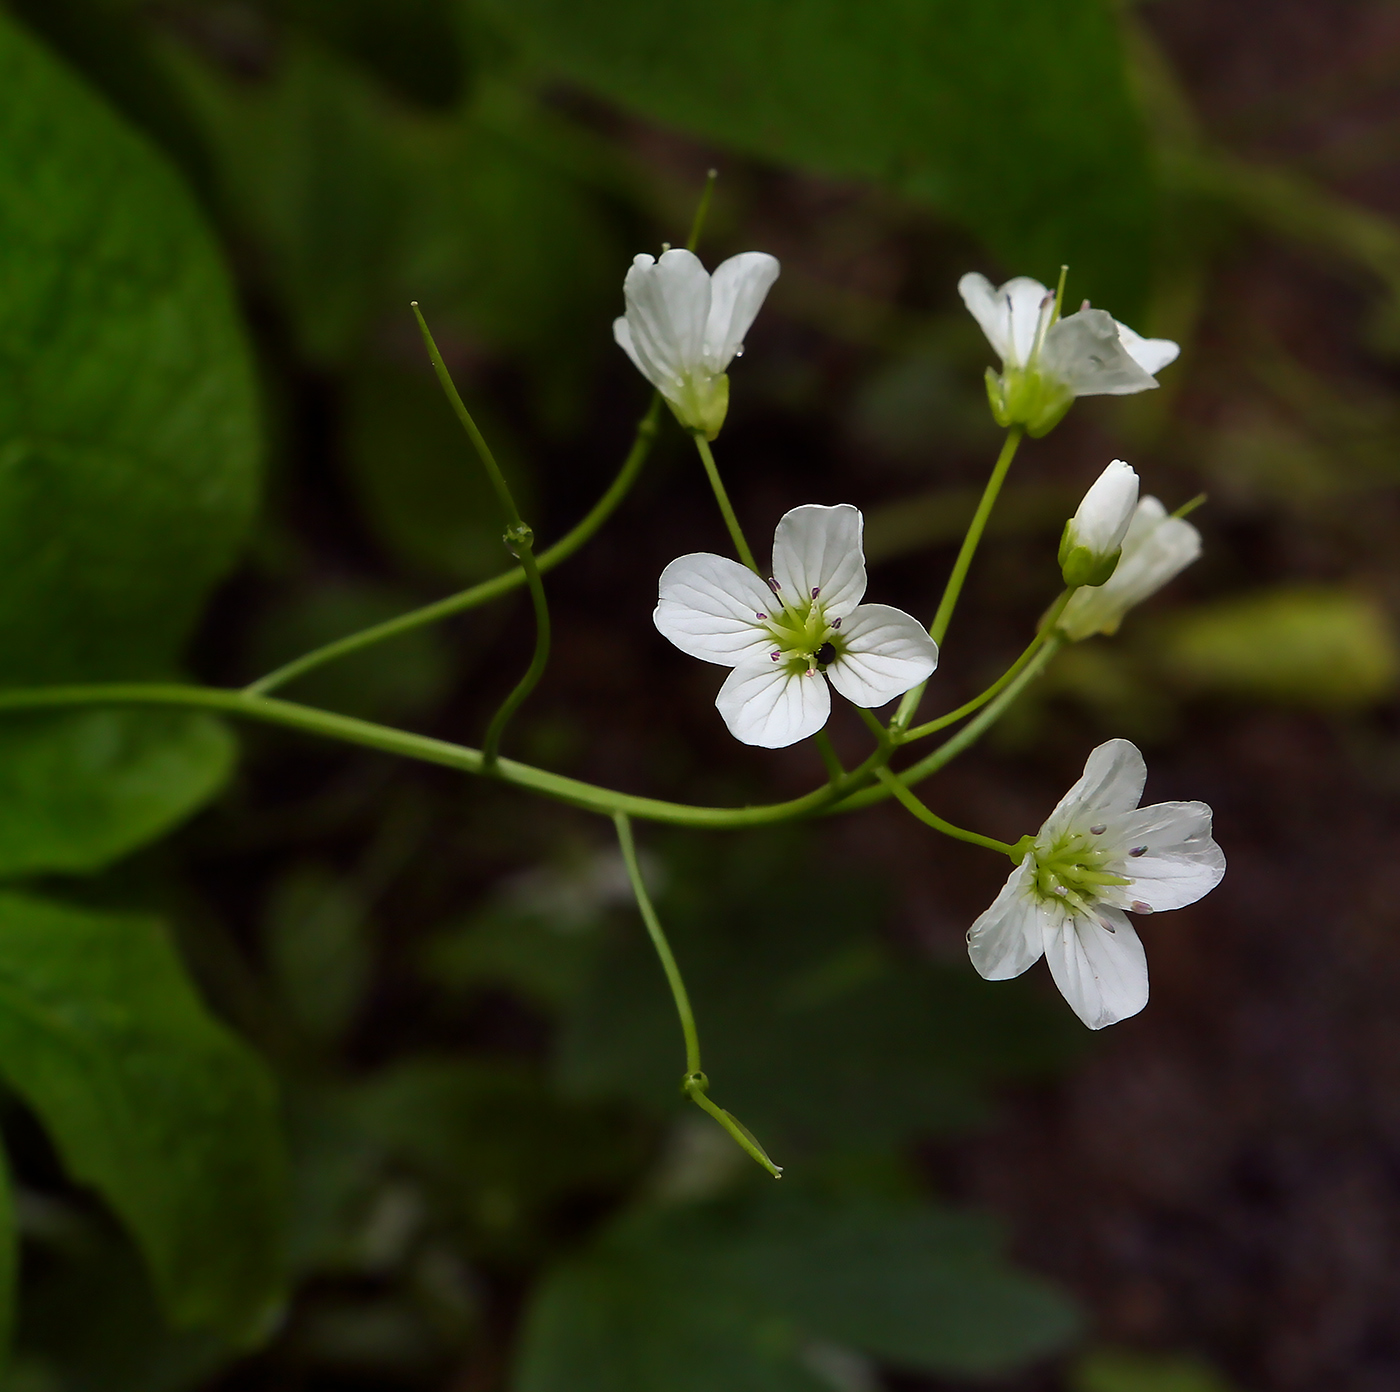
1072 872
800 634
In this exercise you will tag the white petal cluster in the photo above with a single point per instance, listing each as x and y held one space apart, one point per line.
1047 362
1156 548
683 327
788 638
1093 537
1099 857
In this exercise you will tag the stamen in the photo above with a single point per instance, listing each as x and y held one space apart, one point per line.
775 656
1137 906
836 623
760 616
1107 926
773 585
1093 830
1084 306
1138 851
816 590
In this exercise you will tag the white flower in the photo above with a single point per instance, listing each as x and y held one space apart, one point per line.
1093 537
1047 362
785 640
1098 855
1155 548
683 327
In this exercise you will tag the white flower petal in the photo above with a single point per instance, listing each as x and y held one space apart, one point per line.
1155 550
1106 512
1084 352
989 309
1008 314
737 291
819 549
885 652
1181 863
623 334
668 305
1099 965
1010 936
767 705
1111 785
708 606
1150 354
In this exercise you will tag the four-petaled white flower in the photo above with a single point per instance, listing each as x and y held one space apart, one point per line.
1047 362
683 327
1156 547
1093 537
785 640
1098 855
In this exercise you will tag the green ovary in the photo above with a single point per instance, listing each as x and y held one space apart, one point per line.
1071 872
800 636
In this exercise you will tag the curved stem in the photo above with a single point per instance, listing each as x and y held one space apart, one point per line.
968 735
1043 633
736 532
930 818
490 746
309 720
487 590
658 940
953 589
830 760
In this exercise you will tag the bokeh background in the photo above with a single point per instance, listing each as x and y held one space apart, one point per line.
494 1184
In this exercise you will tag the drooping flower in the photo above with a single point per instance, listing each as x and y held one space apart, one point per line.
1093 537
1046 362
683 327
786 639
1155 549
1099 857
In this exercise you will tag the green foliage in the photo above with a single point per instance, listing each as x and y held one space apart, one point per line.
1301 645
128 439
80 790
813 1033
149 1101
1116 1370
1011 116
739 1294
9 1263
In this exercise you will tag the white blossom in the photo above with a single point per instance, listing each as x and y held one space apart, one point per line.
684 326
786 639
1156 548
1046 361
1099 857
1093 537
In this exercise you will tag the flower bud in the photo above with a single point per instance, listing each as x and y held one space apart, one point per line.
1155 549
1093 537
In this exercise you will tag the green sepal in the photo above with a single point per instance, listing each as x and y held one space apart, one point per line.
1084 567
996 398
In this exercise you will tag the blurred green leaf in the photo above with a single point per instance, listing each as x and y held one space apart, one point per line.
1299 645
128 426
734 1295
80 790
1116 1370
421 490
814 1033
1013 117
149 1101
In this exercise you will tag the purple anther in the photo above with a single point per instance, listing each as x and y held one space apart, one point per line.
1137 906
1048 300
760 616
775 656
1138 851
773 585
1097 830
836 623
1084 306
816 590
1107 926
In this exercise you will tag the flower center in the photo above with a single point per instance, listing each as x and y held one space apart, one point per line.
1071 872
805 640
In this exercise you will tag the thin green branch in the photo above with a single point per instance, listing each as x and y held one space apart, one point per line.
702 211
953 589
1043 634
490 746
487 590
830 761
930 818
736 532
327 724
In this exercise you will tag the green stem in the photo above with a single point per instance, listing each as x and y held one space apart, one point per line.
830 761
309 720
1047 627
736 533
490 746
483 450
702 211
931 818
488 590
658 940
953 589
968 735
695 1084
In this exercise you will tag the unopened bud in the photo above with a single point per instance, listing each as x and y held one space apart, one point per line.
1093 538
